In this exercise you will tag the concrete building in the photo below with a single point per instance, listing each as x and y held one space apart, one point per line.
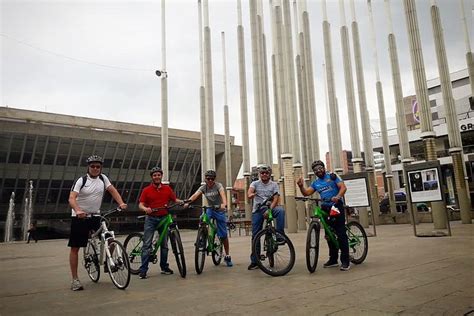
51 149
465 111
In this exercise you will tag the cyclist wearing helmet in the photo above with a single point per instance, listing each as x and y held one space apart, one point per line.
259 191
215 195
85 200
154 196
331 189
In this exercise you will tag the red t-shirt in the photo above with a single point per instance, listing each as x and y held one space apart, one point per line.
156 197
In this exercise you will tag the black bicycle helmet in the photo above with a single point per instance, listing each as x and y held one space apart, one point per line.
263 168
94 158
210 173
156 169
317 163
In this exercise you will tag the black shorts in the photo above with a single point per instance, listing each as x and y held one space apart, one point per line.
80 229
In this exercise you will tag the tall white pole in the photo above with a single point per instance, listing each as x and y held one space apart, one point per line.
333 107
454 135
209 89
202 99
243 108
164 99
350 97
382 117
227 148
469 55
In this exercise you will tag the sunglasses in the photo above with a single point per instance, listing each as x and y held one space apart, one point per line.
318 168
95 166
264 172
210 179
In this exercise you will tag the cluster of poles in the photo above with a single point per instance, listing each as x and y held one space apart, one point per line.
294 99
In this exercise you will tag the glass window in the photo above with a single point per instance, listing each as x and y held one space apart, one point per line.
14 157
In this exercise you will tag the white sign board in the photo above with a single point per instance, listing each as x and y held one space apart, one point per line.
424 185
356 194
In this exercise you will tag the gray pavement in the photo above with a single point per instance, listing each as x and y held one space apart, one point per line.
401 275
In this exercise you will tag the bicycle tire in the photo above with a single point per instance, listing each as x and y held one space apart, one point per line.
358 242
120 272
91 262
273 241
133 246
312 246
200 250
178 251
218 252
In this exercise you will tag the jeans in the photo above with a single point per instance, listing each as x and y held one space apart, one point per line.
339 225
151 224
257 224
221 221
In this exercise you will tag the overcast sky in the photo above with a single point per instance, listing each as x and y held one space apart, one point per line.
97 58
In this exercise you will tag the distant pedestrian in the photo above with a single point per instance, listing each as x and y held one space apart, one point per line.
32 233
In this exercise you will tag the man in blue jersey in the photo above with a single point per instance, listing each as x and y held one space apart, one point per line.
331 189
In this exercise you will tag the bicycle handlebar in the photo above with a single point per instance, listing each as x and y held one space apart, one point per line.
304 198
267 201
111 211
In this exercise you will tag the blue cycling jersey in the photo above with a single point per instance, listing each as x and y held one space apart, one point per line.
326 187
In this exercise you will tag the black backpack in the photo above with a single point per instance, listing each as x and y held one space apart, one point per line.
84 180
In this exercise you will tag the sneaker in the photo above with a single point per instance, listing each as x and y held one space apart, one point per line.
330 264
228 261
167 271
252 266
142 275
345 266
76 285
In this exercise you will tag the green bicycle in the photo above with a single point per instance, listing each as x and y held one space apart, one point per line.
134 242
277 256
358 244
207 241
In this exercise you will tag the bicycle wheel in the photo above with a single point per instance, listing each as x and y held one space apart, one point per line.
133 246
118 265
312 246
358 243
178 251
218 252
91 262
200 250
277 256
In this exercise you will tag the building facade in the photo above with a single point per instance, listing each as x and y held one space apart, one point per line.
51 149
465 112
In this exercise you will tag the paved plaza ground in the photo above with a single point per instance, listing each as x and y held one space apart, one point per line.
402 275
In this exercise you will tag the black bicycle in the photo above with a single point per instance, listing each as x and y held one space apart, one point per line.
277 256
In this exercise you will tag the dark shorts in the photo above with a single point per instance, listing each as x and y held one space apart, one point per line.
80 228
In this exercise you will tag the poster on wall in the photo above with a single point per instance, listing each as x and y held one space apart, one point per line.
357 194
424 185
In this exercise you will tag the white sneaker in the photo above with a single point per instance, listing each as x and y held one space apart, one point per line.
76 285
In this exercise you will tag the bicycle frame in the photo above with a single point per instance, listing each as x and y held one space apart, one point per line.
165 222
103 234
320 215
205 220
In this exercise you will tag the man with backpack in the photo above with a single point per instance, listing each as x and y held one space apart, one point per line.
85 200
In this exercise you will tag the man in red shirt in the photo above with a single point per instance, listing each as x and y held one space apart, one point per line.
155 196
